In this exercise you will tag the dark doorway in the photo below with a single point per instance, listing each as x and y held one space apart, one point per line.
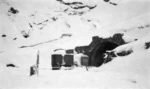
97 57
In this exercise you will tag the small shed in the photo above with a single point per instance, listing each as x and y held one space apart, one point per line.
68 60
84 60
56 61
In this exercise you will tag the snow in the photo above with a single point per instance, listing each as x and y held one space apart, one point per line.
130 17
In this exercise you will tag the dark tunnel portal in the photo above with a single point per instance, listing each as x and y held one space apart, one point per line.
97 58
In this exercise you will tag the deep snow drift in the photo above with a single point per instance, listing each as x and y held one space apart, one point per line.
27 26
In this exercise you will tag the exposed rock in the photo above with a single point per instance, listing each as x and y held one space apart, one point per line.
76 7
3 35
66 35
70 3
11 65
30 25
81 7
147 45
133 81
12 10
124 53
25 34
113 3
143 26
54 18
147 25
15 39
46 20
106 0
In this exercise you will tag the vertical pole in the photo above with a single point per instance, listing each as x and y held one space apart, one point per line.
37 62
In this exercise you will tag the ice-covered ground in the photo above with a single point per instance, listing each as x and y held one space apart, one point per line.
46 25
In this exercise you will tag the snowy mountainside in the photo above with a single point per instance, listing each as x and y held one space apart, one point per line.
31 23
27 26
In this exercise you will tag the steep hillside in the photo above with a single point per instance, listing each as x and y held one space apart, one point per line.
27 26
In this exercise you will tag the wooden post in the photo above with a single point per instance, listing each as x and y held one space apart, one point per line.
34 69
37 62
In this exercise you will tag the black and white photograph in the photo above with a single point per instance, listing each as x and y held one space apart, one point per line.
74 44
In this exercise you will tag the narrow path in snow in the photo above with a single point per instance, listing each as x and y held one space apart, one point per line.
33 45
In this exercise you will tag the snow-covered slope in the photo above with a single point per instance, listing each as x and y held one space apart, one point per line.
27 26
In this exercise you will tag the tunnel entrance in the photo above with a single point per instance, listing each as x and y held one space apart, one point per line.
97 55
98 47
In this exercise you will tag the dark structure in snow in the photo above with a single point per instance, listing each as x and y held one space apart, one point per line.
98 52
68 60
70 51
85 60
98 47
56 61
